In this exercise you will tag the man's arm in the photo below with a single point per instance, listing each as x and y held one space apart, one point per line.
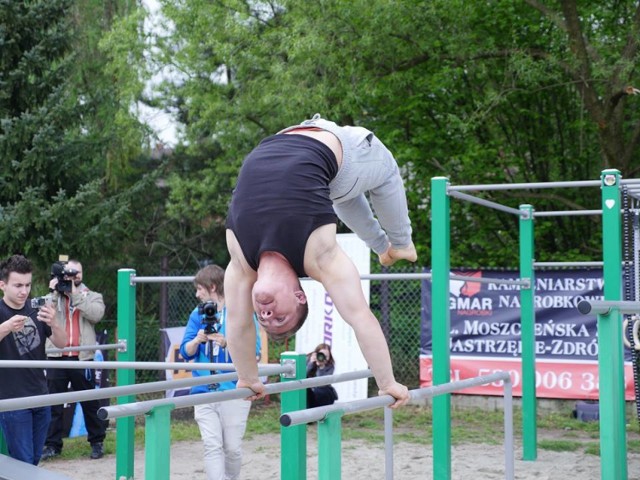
191 339
241 332
339 276
90 303
47 314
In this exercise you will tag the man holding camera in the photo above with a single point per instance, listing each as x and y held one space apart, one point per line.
222 425
23 330
78 309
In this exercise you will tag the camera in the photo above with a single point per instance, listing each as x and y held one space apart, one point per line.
321 357
39 302
209 312
64 275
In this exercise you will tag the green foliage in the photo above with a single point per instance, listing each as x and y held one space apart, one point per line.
481 92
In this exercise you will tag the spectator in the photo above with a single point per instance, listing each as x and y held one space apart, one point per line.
23 331
222 425
78 309
321 363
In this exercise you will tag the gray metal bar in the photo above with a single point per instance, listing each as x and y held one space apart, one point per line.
566 213
524 186
319 413
316 414
368 276
498 281
160 279
484 203
110 392
388 444
127 365
568 264
86 348
140 408
603 307
508 431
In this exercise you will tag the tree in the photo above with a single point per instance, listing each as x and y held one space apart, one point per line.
481 92
68 147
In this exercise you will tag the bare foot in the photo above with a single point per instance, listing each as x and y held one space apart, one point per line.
392 255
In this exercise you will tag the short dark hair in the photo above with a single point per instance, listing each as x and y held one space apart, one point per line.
209 277
15 263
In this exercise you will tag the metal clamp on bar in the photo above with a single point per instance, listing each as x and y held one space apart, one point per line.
123 344
604 307
288 362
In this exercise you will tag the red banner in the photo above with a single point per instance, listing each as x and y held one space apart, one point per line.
554 379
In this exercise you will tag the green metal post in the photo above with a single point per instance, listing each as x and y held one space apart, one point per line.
3 444
528 336
330 447
157 446
441 325
293 440
125 426
613 454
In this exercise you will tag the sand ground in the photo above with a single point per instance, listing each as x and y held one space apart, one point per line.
360 460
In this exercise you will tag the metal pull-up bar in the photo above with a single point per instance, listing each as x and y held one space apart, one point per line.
602 307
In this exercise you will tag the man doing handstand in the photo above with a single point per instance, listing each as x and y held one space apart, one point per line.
281 226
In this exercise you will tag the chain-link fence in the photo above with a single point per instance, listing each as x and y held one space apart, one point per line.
396 303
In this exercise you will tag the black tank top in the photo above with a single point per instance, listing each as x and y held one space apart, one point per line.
281 197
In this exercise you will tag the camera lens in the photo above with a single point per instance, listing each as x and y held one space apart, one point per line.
321 357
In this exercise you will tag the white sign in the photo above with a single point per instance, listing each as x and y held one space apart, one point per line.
325 325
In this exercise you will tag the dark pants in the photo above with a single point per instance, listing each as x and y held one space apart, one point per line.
321 396
58 380
25 431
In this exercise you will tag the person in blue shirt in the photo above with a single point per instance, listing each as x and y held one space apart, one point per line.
222 425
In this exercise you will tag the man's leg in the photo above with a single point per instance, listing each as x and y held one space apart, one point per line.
41 420
58 383
96 428
233 415
17 427
208 418
358 216
390 204
374 170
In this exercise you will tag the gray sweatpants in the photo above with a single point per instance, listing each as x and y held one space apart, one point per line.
371 170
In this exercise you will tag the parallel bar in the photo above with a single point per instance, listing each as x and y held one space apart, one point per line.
319 413
526 186
87 348
568 264
327 415
566 213
140 408
604 307
135 365
484 203
367 276
160 279
19 403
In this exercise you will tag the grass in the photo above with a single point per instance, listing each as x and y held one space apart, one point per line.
556 431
